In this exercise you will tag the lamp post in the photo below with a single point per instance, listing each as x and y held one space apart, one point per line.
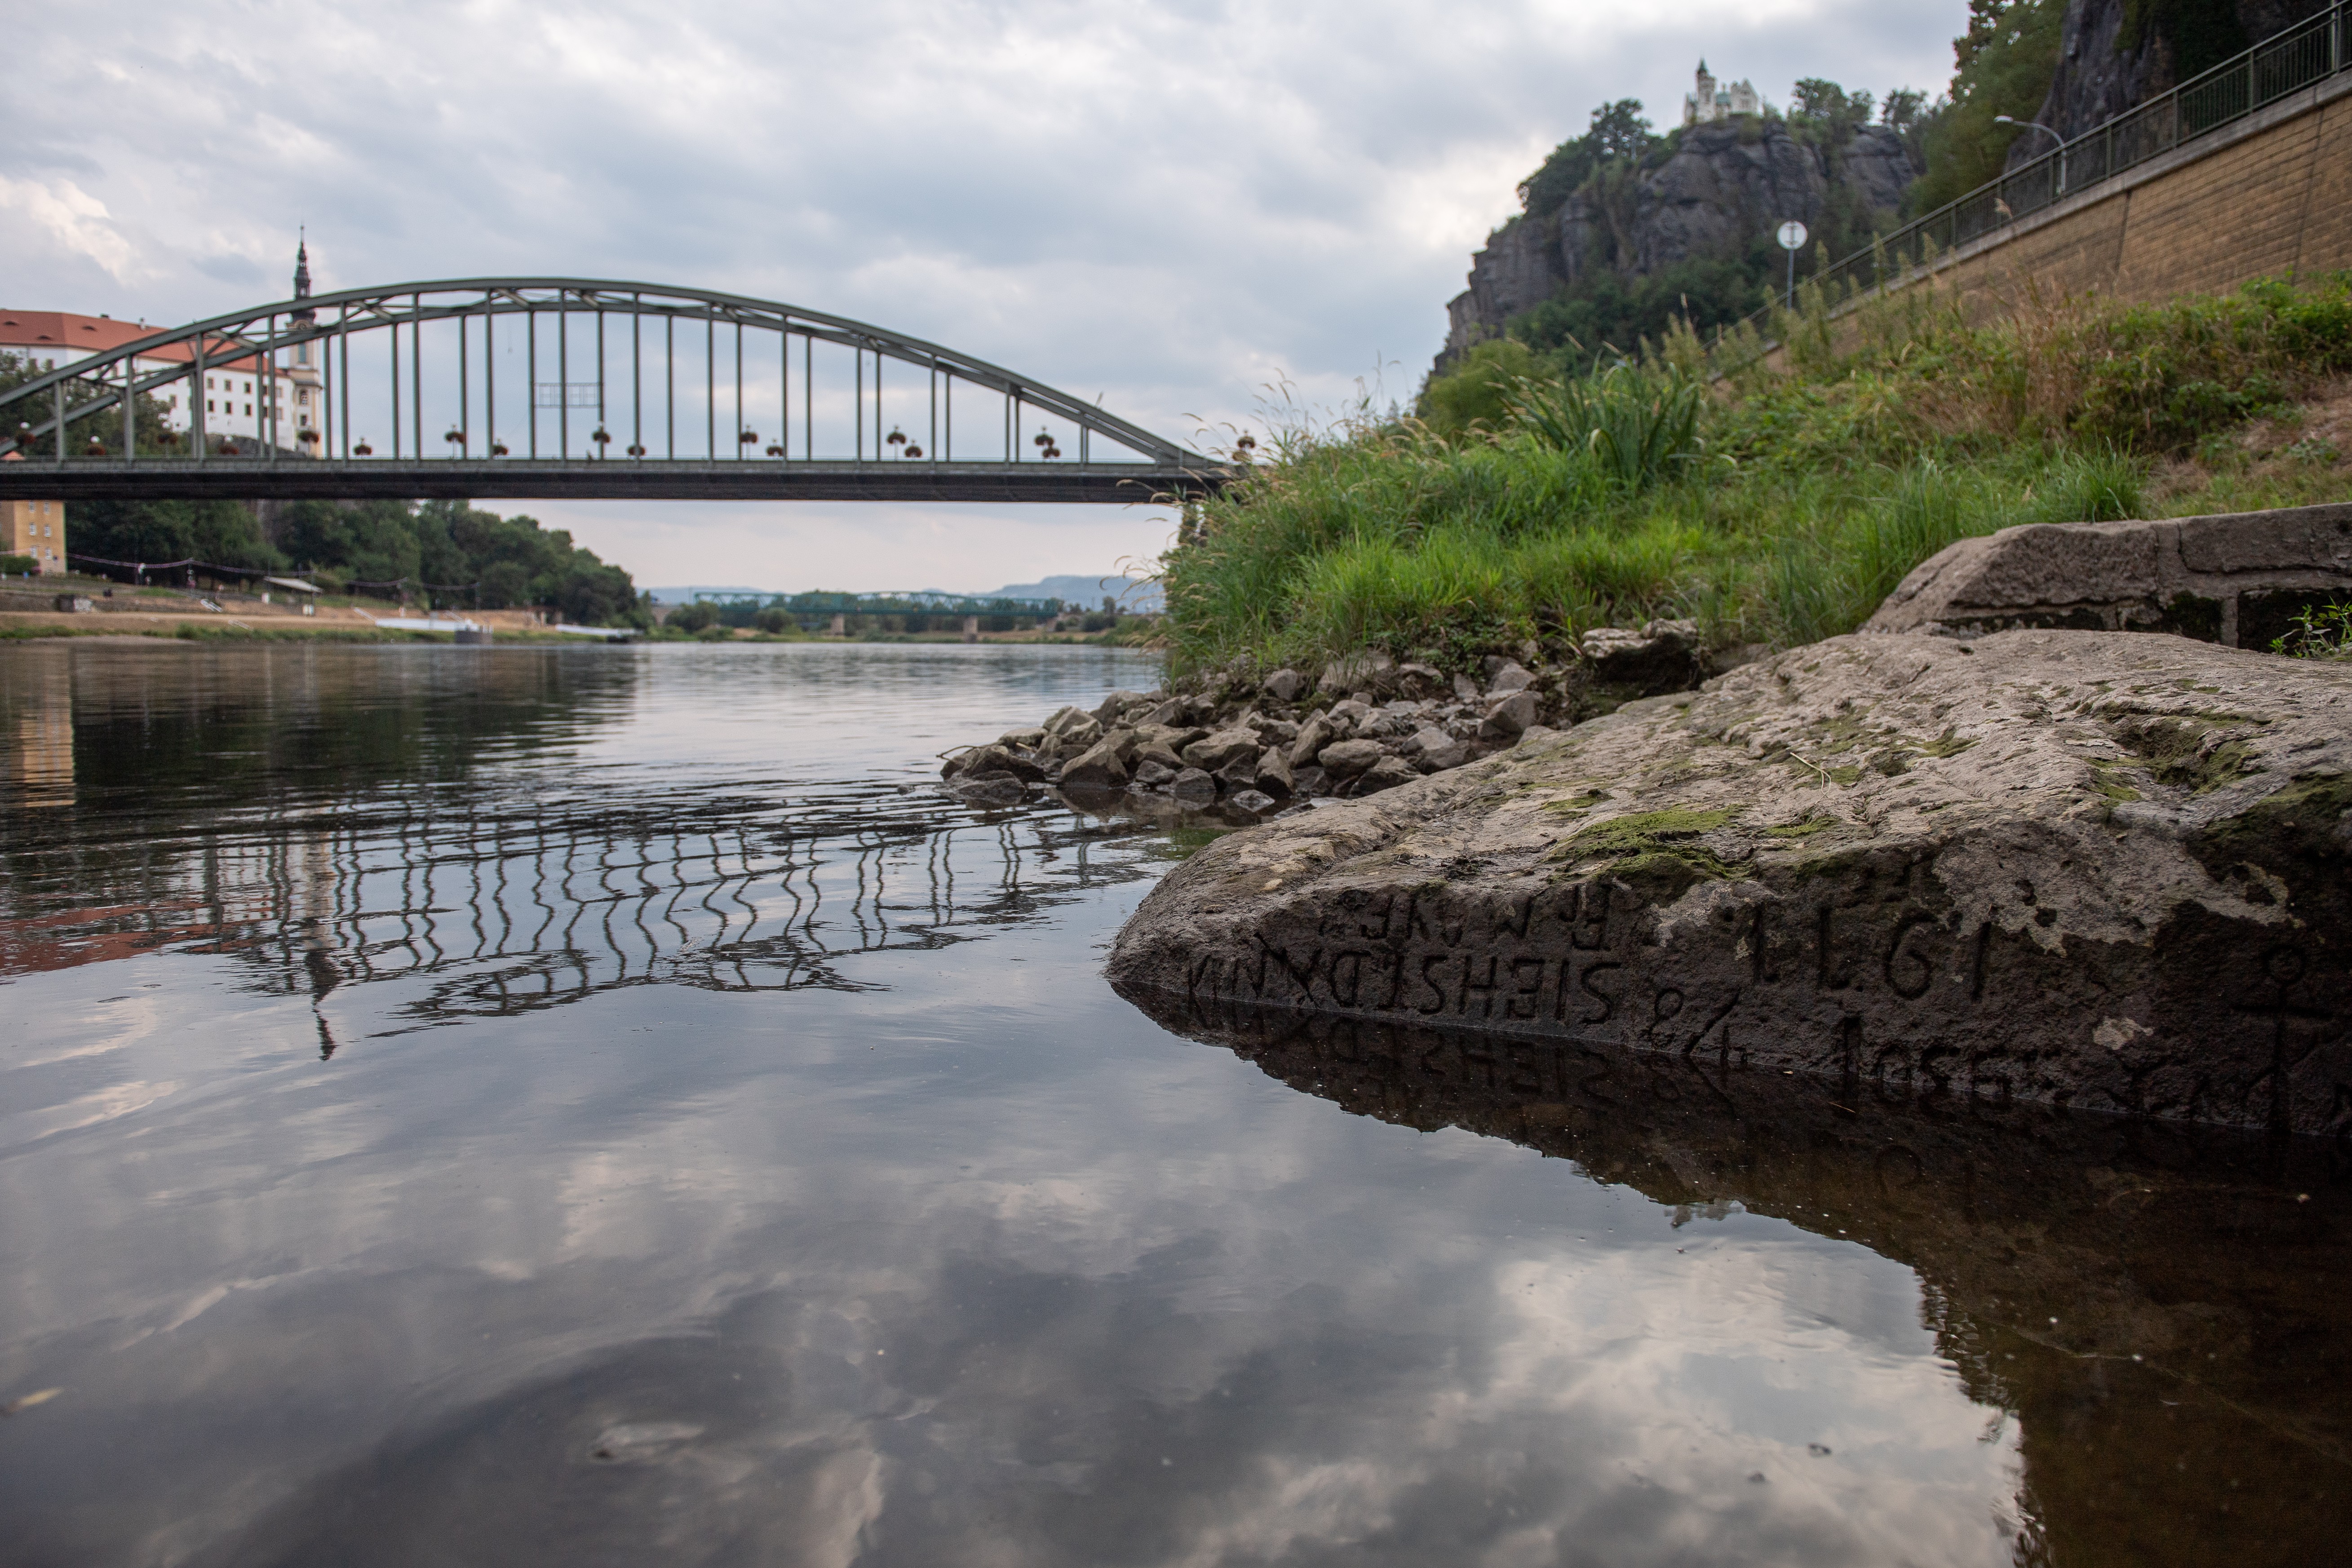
2037 125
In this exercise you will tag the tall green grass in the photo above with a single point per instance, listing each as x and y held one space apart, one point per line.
1770 508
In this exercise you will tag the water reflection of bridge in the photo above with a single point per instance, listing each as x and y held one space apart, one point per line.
469 914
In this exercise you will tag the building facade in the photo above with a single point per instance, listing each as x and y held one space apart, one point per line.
35 527
237 394
1712 100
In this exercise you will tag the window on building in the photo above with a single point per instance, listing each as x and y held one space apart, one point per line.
248 411
303 397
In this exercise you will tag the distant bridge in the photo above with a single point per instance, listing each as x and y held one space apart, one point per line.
572 389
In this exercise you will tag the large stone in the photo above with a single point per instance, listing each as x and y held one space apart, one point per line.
1284 685
1508 717
1194 787
979 762
1273 774
1386 774
2104 869
1434 751
1099 767
2238 579
1663 656
1073 727
1217 751
1116 706
1346 759
1313 736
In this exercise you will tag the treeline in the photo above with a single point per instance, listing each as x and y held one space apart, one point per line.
444 550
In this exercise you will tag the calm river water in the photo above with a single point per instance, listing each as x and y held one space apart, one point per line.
608 1106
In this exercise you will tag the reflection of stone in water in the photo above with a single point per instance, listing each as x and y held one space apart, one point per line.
2165 1309
39 758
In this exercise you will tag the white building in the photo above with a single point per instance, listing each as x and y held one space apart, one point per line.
234 392
1714 101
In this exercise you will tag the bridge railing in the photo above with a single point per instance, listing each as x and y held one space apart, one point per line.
2299 56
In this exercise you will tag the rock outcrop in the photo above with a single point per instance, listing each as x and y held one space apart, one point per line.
2095 868
1723 184
2239 579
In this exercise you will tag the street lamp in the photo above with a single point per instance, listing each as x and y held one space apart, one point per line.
2037 125
2029 125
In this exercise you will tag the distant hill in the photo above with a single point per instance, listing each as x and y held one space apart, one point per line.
1089 591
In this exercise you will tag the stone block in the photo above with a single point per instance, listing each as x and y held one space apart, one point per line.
2237 578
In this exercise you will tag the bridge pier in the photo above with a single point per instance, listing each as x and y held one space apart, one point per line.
972 629
840 625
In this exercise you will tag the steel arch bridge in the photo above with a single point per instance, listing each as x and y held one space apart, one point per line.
565 388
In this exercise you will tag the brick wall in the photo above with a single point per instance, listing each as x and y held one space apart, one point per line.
2271 196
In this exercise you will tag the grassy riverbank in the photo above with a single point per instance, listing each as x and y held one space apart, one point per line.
1775 506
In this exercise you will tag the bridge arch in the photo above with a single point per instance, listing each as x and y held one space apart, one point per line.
444 389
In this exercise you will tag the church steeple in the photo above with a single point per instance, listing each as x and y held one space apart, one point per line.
302 277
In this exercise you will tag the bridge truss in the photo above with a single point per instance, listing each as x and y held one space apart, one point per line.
571 388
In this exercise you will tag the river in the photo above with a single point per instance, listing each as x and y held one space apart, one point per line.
601 1106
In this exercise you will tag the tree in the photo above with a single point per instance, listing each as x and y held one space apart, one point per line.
1830 106
104 425
2004 65
1618 136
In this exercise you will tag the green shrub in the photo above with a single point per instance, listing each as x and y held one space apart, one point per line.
1637 430
2321 633
1480 390
18 566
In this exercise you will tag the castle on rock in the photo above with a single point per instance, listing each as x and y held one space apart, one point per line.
1719 101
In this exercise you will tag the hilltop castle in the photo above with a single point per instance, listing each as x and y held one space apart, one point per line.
1718 102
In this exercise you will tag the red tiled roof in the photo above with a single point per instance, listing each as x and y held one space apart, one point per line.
28 329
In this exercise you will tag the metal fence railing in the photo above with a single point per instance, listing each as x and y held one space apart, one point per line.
2307 53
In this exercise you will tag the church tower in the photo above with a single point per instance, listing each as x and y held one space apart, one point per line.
308 385
302 275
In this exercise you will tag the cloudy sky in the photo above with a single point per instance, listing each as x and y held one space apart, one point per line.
1172 204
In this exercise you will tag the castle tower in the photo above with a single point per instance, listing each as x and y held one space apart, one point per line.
1700 105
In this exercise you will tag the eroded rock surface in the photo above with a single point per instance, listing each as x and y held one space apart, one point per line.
2092 868
2237 578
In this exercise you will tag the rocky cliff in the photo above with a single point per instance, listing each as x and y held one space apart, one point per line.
1720 187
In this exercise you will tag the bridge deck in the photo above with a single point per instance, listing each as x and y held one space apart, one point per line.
372 478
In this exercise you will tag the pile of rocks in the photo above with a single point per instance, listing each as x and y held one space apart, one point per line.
1365 724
